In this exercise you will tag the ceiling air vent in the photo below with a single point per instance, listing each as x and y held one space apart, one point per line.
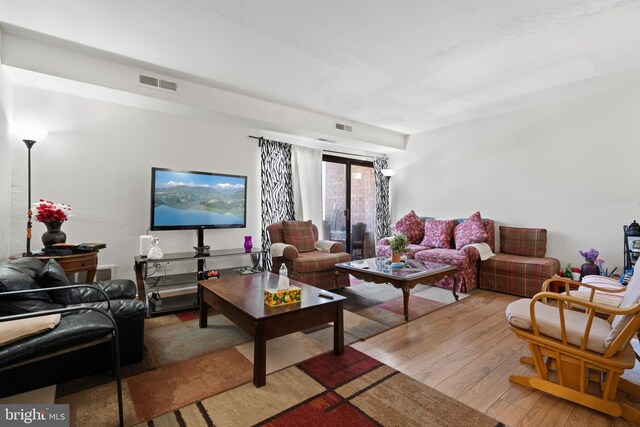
342 126
168 85
148 80
159 83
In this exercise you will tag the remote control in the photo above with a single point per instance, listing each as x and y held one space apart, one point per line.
325 294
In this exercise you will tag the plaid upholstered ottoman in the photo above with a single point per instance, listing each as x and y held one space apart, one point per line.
520 268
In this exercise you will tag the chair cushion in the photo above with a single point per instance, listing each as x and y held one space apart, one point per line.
438 232
15 330
548 320
300 235
523 241
631 297
470 231
73 329
600 297
310 262
54 275
521 265
411 226
458 259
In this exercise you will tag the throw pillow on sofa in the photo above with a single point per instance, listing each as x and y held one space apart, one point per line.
437 233
52 276
531 242
469 231
300 235
411 226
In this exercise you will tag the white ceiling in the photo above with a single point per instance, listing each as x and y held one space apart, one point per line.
405 65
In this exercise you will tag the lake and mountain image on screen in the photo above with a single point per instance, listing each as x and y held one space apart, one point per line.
187 199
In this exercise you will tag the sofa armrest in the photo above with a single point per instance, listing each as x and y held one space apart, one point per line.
471 253
386 241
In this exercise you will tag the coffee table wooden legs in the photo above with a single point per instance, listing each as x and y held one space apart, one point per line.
260 356
406 291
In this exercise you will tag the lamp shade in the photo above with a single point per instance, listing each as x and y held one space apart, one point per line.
388 172
30 133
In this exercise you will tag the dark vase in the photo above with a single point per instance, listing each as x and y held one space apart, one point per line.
53 234
247 244
589 268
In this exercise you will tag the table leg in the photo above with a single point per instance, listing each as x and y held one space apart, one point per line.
336 276
203 309
338 331
91 275
260 356
405 297
455 294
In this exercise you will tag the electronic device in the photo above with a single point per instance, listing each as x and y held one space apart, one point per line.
325 294
145 244
208 274
190 200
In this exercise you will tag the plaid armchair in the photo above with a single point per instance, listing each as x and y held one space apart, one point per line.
295 243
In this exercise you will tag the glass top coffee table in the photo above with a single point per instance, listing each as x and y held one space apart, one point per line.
414 272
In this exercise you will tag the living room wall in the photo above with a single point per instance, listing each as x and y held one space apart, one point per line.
5 164
568 167
98 158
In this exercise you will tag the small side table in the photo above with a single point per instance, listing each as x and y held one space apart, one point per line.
73 263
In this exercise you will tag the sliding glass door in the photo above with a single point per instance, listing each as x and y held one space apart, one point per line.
349 196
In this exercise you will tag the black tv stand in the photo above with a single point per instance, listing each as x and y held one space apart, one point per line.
165 288
201 249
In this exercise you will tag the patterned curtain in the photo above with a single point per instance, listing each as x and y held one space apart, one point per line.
277 189
383 215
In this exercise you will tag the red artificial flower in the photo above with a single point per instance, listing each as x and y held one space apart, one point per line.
47 211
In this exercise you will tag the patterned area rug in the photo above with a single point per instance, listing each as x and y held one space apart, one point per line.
185 364
330 390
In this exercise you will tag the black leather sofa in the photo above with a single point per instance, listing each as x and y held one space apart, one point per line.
61 354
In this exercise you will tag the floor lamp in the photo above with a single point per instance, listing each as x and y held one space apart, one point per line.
30 137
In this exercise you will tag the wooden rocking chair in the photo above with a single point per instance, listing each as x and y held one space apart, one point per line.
575 350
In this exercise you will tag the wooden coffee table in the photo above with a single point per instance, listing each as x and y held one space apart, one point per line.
376 270
240 299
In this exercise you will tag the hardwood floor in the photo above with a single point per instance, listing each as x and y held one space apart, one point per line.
466 351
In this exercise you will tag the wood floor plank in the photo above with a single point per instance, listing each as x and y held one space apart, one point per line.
448 366
549 411
506 412
489 389
461 381
581 416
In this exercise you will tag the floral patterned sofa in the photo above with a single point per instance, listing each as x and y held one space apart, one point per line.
445 241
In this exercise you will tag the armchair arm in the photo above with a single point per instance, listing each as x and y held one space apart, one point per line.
569 283
386 241
290 252
282 249
336 248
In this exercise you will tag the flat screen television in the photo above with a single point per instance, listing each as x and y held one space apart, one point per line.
189 200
